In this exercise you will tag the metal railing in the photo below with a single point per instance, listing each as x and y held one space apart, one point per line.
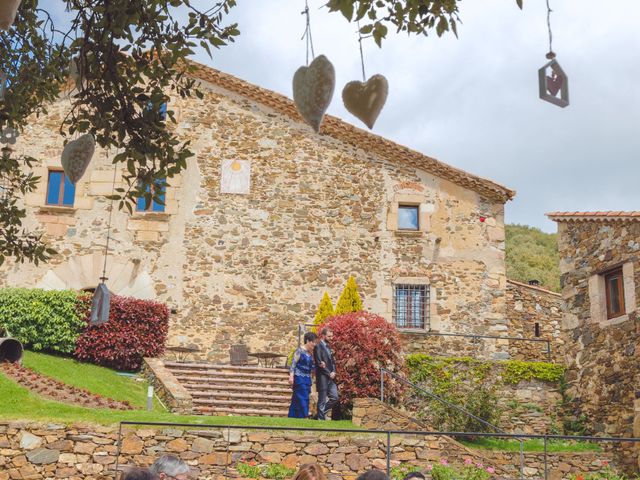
384 371
496 337
388 433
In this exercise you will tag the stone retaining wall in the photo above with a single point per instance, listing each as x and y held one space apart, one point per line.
174 395
83 452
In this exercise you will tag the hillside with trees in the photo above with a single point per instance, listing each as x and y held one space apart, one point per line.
532 255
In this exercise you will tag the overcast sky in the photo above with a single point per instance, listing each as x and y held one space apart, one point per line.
472 102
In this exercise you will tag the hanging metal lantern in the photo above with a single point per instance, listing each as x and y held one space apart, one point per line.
100 305
553 83
8 10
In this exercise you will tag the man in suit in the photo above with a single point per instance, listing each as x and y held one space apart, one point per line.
325 375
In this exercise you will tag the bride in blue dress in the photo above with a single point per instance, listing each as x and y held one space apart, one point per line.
302 366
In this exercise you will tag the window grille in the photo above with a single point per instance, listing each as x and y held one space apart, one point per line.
411 306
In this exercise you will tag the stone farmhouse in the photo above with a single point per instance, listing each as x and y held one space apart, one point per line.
600 275
270 215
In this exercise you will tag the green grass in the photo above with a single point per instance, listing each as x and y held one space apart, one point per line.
533 445
18 403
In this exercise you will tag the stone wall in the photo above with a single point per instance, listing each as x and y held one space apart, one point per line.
526 305
603 356
255 265
84 452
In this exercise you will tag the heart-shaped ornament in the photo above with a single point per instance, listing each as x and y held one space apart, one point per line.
366 99
76 156
554 84
8 10
312 90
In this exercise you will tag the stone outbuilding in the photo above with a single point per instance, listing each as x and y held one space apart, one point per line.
600 278
267 217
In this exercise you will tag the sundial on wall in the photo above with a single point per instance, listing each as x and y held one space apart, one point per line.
235 176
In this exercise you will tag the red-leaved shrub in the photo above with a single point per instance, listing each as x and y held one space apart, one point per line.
362 343
136 329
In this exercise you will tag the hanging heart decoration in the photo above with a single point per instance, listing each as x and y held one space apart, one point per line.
9 136
8 10
76 156
366 99
554 84
313 89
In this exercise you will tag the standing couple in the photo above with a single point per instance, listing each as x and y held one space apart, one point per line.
315 353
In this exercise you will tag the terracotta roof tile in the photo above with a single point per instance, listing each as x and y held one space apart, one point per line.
594 216
354 136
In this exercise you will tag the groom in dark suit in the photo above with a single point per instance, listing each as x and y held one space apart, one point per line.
325 374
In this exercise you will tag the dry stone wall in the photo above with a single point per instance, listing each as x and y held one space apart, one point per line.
89 452
603 356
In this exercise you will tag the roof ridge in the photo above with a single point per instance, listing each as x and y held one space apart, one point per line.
352 135
612 215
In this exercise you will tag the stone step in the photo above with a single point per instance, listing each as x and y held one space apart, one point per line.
215 373
239 403
213 366
256 396
199 388
232 381
241 411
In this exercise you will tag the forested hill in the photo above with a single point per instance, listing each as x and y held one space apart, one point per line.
532 255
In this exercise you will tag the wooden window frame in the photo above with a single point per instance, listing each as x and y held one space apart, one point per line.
619 278
417 209
61 194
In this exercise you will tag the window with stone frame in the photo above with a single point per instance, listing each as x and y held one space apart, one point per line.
159 189
614 291
411 307
60 191
408 217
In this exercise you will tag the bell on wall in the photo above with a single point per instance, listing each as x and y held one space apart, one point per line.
553 83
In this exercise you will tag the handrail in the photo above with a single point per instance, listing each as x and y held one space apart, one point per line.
387 433
384 371
496 337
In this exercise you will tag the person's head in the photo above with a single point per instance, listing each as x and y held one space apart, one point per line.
139 474
373 474
170 467
326 334
416 475
310 338
310 471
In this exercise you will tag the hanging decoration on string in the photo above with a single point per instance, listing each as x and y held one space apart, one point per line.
553 83
9 136
313 84
101 303
77 155
365 99
8 10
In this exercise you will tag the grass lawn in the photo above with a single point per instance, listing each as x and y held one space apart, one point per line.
532 445
18 403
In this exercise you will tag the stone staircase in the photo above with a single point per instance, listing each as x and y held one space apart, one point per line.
230 390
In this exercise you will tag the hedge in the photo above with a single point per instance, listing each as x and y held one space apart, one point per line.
136 329
50 320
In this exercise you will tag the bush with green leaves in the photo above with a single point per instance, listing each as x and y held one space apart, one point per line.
272 471
48 320
607 473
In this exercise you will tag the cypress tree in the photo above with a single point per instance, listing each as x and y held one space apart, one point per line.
349 298
325 309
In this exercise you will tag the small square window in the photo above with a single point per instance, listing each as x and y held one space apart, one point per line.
159 188
614 288
60 190
408 217
411 306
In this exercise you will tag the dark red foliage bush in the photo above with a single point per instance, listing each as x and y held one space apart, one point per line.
362 343
136 329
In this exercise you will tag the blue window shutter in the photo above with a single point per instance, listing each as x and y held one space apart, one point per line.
69 193
53 191
160 187
163 111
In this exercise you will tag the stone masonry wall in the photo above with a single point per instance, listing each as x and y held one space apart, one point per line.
89 452
254 266
526 306
603 356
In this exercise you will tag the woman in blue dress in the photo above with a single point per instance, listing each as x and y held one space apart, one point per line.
300 376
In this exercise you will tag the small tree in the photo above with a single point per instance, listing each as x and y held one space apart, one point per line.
363 342
349 300
325 310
